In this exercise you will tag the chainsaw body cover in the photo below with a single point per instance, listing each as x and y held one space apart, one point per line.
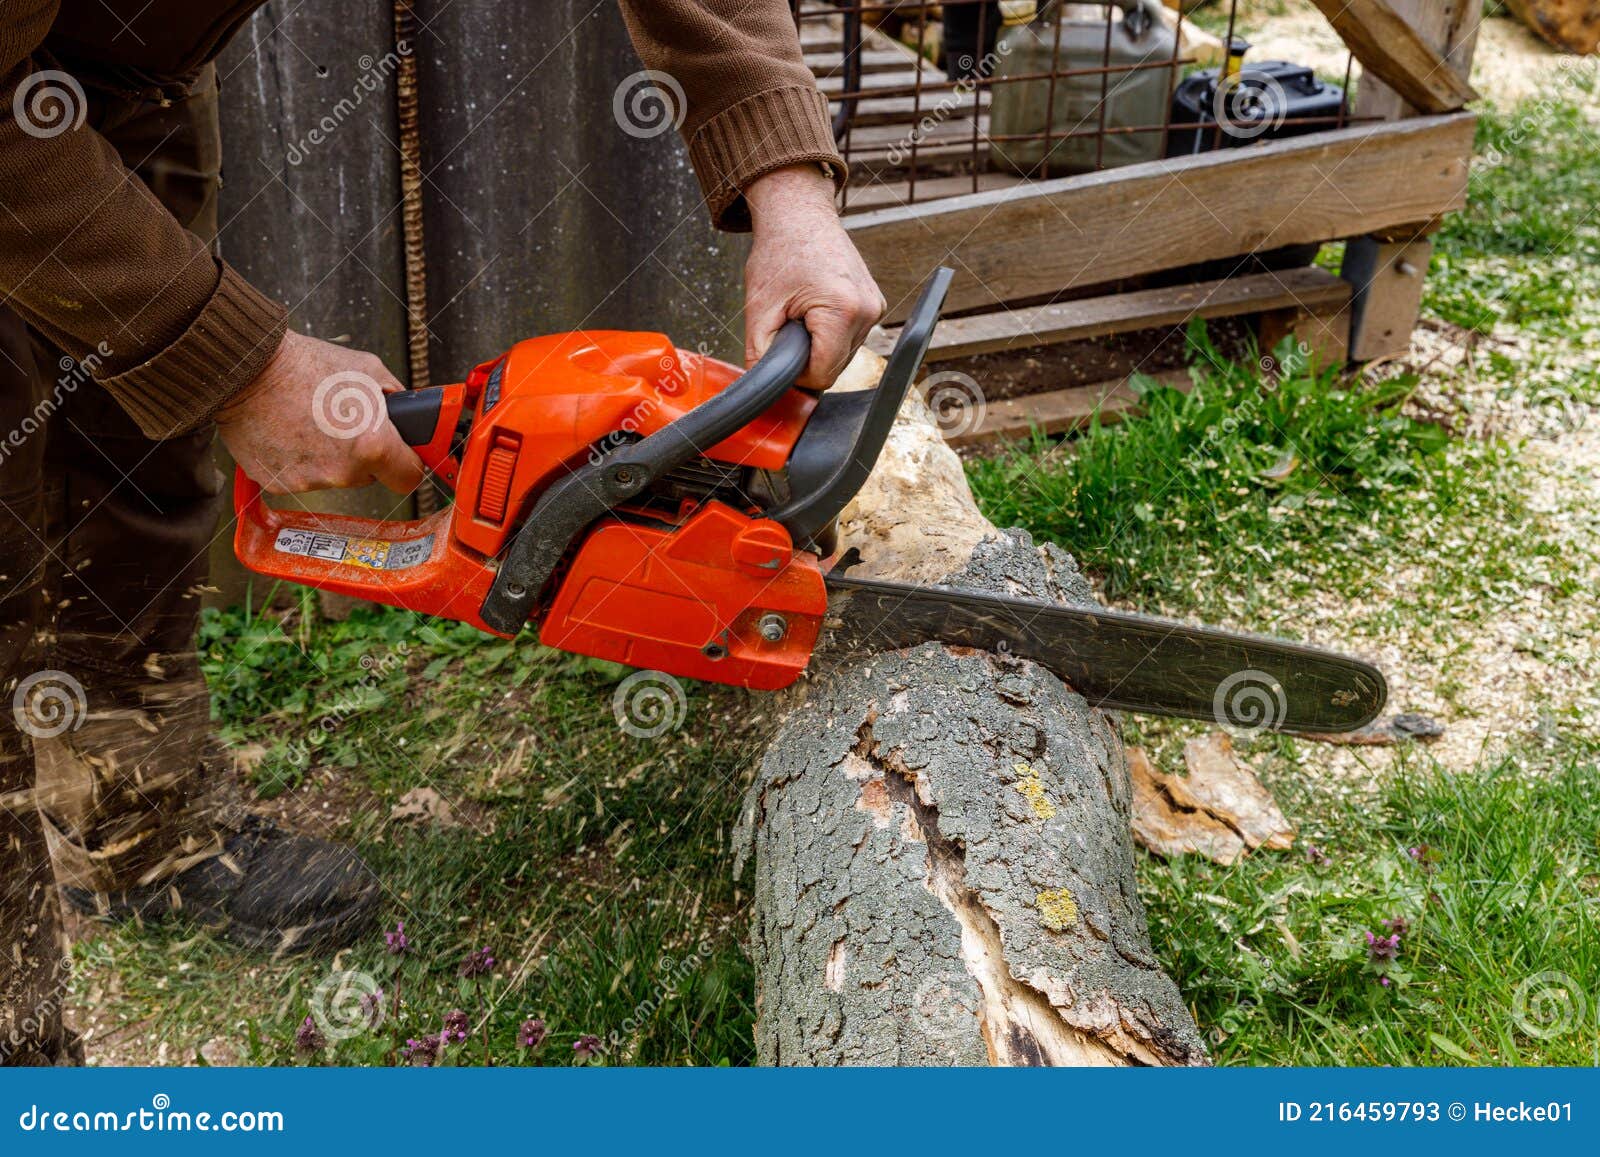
685 588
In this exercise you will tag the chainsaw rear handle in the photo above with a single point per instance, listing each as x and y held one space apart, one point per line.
568 507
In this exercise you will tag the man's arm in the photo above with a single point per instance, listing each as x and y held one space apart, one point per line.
762 145
89 256
93 261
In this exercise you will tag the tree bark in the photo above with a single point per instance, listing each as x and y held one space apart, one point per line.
943 865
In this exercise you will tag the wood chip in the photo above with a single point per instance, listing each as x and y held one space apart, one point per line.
1219 810
424 805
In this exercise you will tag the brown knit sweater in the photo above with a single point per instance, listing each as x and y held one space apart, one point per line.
89 256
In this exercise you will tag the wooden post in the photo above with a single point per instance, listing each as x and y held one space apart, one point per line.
310 202
1386 271
545 213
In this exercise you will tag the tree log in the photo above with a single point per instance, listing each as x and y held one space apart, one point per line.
943 864
1570 25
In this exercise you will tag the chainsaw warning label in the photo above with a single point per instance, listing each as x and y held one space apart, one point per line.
369 553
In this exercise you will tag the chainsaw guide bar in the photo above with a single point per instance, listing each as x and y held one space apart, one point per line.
1118 660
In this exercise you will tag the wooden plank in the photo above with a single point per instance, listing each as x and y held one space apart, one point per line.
1047 236
1310 289
1323 333
1058 411
1449 26
905 111
1390 48
832 84
883 152
868 192
826 63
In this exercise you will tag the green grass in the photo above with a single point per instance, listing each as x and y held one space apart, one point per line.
1254 492
593 864
1272 952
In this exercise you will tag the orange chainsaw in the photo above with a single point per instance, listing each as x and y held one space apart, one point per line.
659 508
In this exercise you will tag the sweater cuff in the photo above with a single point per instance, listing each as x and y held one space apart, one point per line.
223 350
767 131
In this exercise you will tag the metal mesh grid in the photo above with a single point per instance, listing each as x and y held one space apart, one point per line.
936 100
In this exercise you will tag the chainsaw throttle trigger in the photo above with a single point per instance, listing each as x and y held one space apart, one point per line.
570 506
842 441
434 421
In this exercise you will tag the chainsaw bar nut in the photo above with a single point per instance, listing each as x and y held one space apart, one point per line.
773 628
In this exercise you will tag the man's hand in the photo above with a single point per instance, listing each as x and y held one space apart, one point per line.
804 265
315 420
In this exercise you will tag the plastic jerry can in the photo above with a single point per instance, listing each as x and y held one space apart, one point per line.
1134 97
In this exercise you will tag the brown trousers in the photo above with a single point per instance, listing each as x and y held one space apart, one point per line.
103 541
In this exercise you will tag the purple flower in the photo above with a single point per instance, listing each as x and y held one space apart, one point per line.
586 1047
1425 857
396 941
476 964
422 1053
1383 949
1315 855
308 1037
1385 981
456 1026
531 1034
1398 925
